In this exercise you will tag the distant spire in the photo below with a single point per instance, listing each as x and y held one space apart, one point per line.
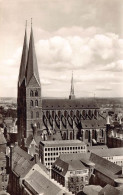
32 67
23 59
72 96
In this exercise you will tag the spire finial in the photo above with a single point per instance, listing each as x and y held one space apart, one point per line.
31 22
26 25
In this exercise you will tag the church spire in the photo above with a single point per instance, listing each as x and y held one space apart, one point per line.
72 96
32 67
23 59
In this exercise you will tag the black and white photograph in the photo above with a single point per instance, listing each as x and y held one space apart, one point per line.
61 97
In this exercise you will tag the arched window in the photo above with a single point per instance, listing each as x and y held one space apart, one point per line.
47 114
59 113
38 125
77 113
36 102
31 103
71 113
65 113
37 114
53 114
31 93
84 113
36 93
71 135
64 136
90 113
31 114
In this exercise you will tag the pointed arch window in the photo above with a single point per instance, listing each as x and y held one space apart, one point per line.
31 103
36 93
37 114
36 102
31 114
31 93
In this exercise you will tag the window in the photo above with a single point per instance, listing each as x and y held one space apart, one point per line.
36 102
37 114
31 93
31 103
31 114
36 93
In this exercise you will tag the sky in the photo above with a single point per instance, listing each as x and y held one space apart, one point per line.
83 36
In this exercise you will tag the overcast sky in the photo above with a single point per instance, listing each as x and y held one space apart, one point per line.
83 36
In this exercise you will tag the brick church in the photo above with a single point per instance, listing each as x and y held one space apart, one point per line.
53 119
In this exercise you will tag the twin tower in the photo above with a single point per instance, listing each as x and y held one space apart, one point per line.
29 102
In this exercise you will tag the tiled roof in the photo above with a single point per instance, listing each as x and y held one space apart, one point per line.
59 104
75 156
93 124
40 184
109 190
63 143
22 161
75 165
109 152
105 167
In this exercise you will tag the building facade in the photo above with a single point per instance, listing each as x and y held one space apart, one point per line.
49 151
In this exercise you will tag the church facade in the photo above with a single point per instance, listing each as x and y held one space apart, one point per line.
53 119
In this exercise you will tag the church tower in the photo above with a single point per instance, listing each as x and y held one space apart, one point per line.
72 96
21 99
29 93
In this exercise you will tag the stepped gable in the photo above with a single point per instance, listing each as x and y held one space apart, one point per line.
66 104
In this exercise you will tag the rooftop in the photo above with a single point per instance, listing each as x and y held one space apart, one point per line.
62 143
108 152
68 104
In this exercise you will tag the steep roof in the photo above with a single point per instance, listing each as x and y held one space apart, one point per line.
38 183
59 104
23 61
22 161
32 67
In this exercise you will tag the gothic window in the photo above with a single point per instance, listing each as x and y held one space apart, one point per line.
89 113
31 114
71 135
37 114
64 136
65 113
36 102
31 103
38 125
47 114
31 93
53 114
84 113
71 113
95 113
36 93
59 113
77 113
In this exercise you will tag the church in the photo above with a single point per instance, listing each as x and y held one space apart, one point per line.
53 119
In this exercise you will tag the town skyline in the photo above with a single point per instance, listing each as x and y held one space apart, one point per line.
75 38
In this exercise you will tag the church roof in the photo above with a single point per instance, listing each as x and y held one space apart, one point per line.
62 104
23 60
32 67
